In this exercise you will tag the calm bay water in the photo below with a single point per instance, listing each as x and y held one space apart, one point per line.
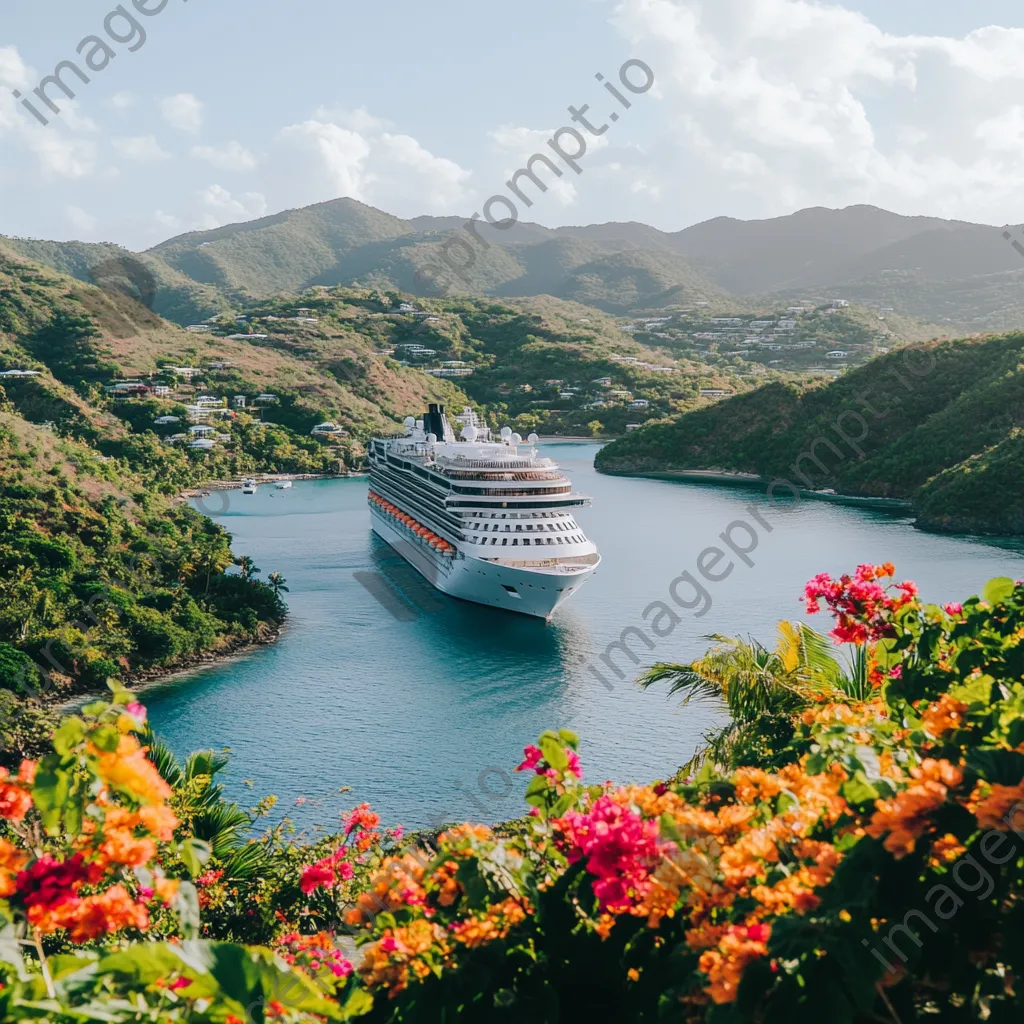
424 716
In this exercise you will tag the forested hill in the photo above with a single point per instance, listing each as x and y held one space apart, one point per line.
941 426
941 272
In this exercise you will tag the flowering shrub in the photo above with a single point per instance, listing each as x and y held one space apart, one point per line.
873 873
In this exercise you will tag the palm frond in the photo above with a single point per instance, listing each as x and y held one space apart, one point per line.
162 757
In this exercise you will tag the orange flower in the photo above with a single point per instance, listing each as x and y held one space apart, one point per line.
993 805
946 850
15 798
496 923
129 769
724 966
906 817
12 860
944 716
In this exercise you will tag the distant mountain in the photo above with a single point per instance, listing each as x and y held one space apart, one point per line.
943 427
944 272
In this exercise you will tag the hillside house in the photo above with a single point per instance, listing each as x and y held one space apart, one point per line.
201 430
639 403
837 354
19 373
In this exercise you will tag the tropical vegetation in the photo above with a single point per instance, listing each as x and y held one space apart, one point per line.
858 859
934 424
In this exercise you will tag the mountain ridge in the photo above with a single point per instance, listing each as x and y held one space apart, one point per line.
937 270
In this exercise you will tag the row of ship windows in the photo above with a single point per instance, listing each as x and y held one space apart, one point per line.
552 527
574 539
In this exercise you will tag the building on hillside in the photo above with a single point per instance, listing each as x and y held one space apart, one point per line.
201 430
265 400
222 364
639 403
837 354
19 373
199 328
239 401
165 420
451 371
248 337
328 430
713 393
188 372
630 427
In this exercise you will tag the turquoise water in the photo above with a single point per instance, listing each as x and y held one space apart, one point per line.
424 708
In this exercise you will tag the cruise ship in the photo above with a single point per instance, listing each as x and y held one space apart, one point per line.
486 520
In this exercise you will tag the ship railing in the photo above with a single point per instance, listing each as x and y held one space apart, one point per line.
459 462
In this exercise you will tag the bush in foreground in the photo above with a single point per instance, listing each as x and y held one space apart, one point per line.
873 873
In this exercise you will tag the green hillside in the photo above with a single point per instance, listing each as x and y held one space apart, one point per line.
940 424
175 296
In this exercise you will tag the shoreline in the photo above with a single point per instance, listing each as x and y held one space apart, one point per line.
146 679
725 478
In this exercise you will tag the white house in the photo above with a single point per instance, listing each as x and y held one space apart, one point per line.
201 430
208 400
199 328
265 399
246 337
836 354
713 393
19 373
328 430
164 420
640 403
188 372
203 444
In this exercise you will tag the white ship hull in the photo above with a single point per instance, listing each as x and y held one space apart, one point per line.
531 592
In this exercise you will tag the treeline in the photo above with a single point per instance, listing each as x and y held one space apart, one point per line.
936 424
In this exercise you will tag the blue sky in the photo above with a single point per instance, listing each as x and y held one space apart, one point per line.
242 107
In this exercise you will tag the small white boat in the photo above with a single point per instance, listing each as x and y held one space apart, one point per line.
283 485
249 486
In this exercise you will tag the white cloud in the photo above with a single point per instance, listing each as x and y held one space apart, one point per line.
349 153
60 155
218 207
121 100
183 112
80 220
795 103
166 220
332 161
231 157
143 149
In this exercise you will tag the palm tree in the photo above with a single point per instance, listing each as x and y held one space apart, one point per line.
211 557
203 811
761 690
247 567
277 582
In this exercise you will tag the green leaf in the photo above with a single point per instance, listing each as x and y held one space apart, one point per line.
106 738
554 751
95 708
858 790
998 590
68 735
569 738
194 853
51 791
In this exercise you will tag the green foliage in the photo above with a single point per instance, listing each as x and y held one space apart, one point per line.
936 424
